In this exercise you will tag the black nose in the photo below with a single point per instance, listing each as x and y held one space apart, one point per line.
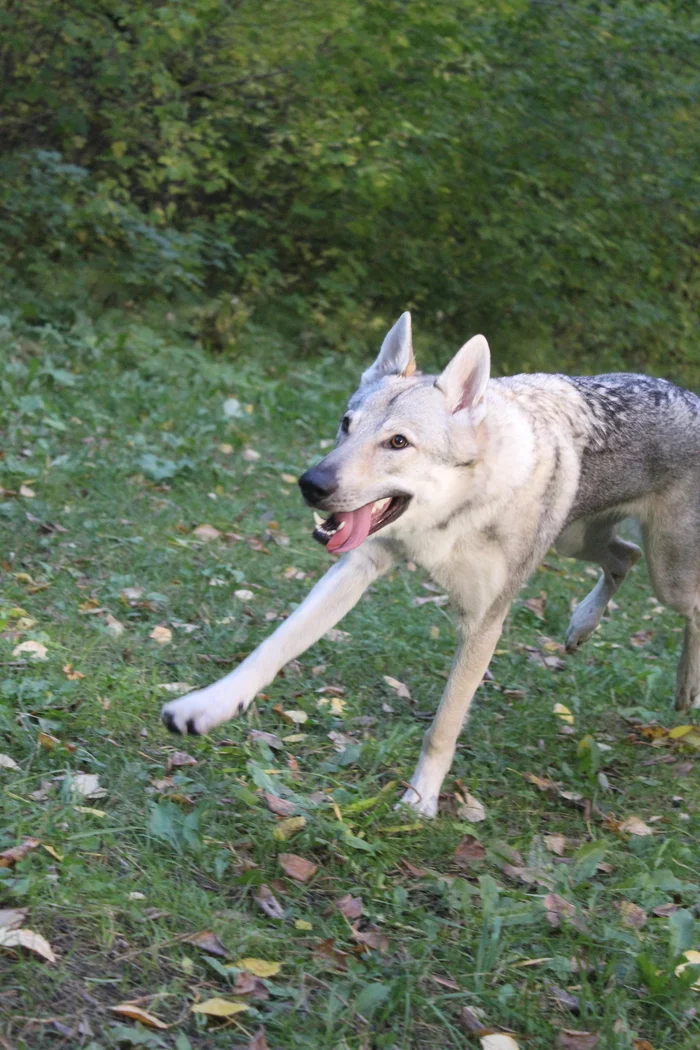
317 485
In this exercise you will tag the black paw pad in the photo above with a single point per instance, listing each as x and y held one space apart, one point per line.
191 729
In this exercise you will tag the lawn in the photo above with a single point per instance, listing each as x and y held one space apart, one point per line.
163 883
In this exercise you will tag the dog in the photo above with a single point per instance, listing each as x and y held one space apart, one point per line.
475 478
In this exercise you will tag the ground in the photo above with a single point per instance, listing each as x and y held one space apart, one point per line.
549 914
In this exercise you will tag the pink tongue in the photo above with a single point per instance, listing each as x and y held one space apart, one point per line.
354 532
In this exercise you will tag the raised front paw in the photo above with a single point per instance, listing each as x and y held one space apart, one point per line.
201 711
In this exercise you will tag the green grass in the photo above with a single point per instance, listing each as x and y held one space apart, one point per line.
118 434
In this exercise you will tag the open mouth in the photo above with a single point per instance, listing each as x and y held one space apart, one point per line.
346 530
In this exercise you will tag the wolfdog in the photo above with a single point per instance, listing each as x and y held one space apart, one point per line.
475 479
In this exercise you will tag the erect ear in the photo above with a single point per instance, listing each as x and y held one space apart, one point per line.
396 355
464 380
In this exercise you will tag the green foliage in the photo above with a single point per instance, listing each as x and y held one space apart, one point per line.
527 167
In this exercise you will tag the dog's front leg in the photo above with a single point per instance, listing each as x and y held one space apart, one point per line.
332 597
473 656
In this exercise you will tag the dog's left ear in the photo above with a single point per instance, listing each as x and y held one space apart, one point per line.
396 354
464 380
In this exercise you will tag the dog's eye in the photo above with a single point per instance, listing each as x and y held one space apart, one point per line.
345 425
398 441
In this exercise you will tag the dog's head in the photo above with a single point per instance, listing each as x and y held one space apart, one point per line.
407 442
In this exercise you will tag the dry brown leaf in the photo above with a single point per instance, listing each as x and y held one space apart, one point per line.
206 533
632 915
114 626
399 688
473 1020
47 741
556 843
8 763
641 1044
259 1041
9 857
217 1007
11 918
180 758
469 851
271 739
568 1039
162 635
297 867
132 594
537 605
208 942
327 951
269 903
71 674
371 938
282 807
557 908
635 826
351 907
472 810
33 942
543 783
135 1013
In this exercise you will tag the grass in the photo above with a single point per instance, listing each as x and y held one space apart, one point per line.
119 436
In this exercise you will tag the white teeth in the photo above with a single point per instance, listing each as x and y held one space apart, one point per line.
318 519
380 504
341 526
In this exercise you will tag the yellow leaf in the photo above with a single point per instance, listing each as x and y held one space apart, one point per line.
635 826
286 828
499 1041
137 1014
564 713
302 924
219 1008
297 717
289 479
693 959
294 738
260 967
89 809
36 650
161 635
54 852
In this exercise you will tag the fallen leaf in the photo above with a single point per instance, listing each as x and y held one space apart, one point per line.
33 942
537 605
498 1041
399 688
114 626
692 959
206 533
258 1041
243 595
7 763
472 810
543 783
564 714
132 594
11 918
47 741
563 998
469 851
71 674
473 1020
161 635
632 915
52 852
175 687
250 455
336 635
282 807
302 924
87 785
269 903
635 826
36 650
556 843
349 906
271 739
9 857
326 950
568 1039
641 1044
640 638
259 967
219 1008
371 938
297 867
135 1013
208 942
295 717
180 758
557 908
286 828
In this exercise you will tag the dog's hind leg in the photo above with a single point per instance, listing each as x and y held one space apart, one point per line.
597 543
672 547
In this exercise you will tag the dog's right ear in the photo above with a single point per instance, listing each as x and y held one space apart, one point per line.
396 355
